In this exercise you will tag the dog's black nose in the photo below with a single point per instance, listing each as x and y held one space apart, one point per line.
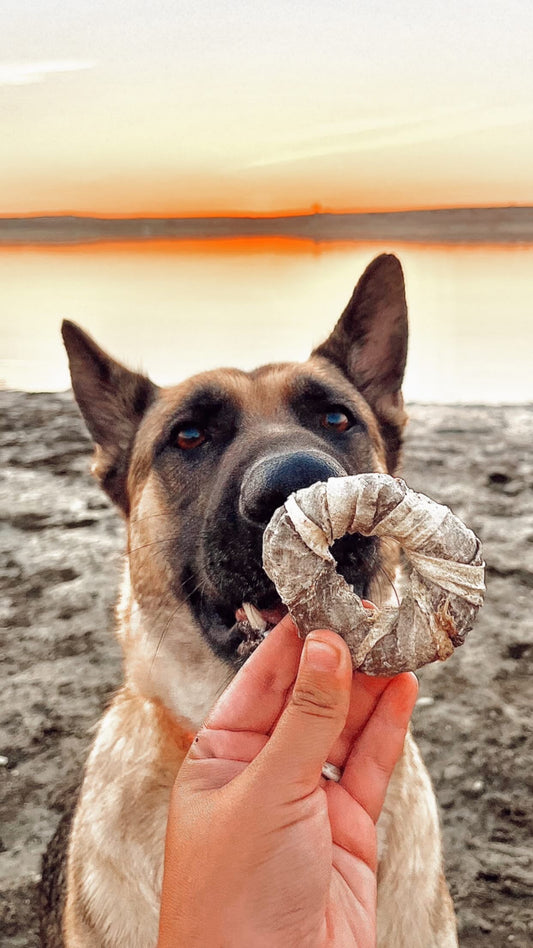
268 483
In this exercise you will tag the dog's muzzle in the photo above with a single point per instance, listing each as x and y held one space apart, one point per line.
238 603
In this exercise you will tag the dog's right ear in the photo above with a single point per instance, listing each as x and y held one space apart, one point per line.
112 400
369 344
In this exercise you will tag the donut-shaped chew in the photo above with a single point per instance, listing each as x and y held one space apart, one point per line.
446 583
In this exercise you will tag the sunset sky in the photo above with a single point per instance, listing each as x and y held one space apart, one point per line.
181 107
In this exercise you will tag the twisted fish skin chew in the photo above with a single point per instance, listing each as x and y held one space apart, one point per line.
447 576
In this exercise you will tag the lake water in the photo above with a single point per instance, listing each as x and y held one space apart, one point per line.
177 308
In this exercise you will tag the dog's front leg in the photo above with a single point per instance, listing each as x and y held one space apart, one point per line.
115 861
414 906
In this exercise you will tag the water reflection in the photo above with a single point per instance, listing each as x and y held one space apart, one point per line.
177 308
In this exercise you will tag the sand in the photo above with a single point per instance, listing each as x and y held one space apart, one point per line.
61 554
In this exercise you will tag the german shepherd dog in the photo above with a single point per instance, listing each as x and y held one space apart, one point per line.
197 470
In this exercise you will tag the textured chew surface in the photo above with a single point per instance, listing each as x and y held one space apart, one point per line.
447 571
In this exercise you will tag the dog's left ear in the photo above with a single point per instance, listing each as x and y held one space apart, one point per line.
112 400
369 344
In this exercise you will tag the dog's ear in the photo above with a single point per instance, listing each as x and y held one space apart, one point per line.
369 344
112 400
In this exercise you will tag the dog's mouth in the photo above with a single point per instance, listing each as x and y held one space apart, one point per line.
236 632
254 624
236 623
260 620
237 640
257 623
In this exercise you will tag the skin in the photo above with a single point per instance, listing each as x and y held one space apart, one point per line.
261 850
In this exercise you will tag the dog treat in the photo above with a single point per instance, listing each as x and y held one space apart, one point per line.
447 571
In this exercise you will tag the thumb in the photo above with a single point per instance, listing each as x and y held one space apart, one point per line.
291 762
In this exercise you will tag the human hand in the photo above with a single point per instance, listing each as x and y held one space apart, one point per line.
261 849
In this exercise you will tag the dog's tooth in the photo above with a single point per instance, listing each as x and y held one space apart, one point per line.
254 617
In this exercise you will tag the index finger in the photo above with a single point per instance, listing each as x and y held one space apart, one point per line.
256 696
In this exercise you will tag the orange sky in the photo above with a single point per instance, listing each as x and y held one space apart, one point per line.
183 109
481 167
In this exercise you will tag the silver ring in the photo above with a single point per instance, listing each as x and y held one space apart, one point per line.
331 771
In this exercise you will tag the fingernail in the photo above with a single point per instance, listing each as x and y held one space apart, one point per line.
320 655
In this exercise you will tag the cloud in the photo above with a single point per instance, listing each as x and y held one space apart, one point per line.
393 131
23 74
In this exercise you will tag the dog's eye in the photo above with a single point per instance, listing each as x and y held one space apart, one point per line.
335 421
188 438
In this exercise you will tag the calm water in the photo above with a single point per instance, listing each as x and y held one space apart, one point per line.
173 309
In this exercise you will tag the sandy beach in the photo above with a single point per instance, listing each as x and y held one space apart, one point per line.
61 554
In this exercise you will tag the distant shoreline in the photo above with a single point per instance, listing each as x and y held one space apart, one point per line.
486 225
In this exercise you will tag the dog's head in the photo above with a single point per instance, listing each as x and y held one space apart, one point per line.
199 469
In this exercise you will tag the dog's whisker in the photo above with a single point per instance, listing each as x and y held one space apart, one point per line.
143 546
179 606
148 517
163 633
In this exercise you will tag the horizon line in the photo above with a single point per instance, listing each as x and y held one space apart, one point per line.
316 210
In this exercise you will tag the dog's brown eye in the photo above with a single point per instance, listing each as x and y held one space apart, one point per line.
335 421
189 438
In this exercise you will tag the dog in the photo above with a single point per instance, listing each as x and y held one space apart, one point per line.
197 471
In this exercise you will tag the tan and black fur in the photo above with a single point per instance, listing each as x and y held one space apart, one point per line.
195 515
